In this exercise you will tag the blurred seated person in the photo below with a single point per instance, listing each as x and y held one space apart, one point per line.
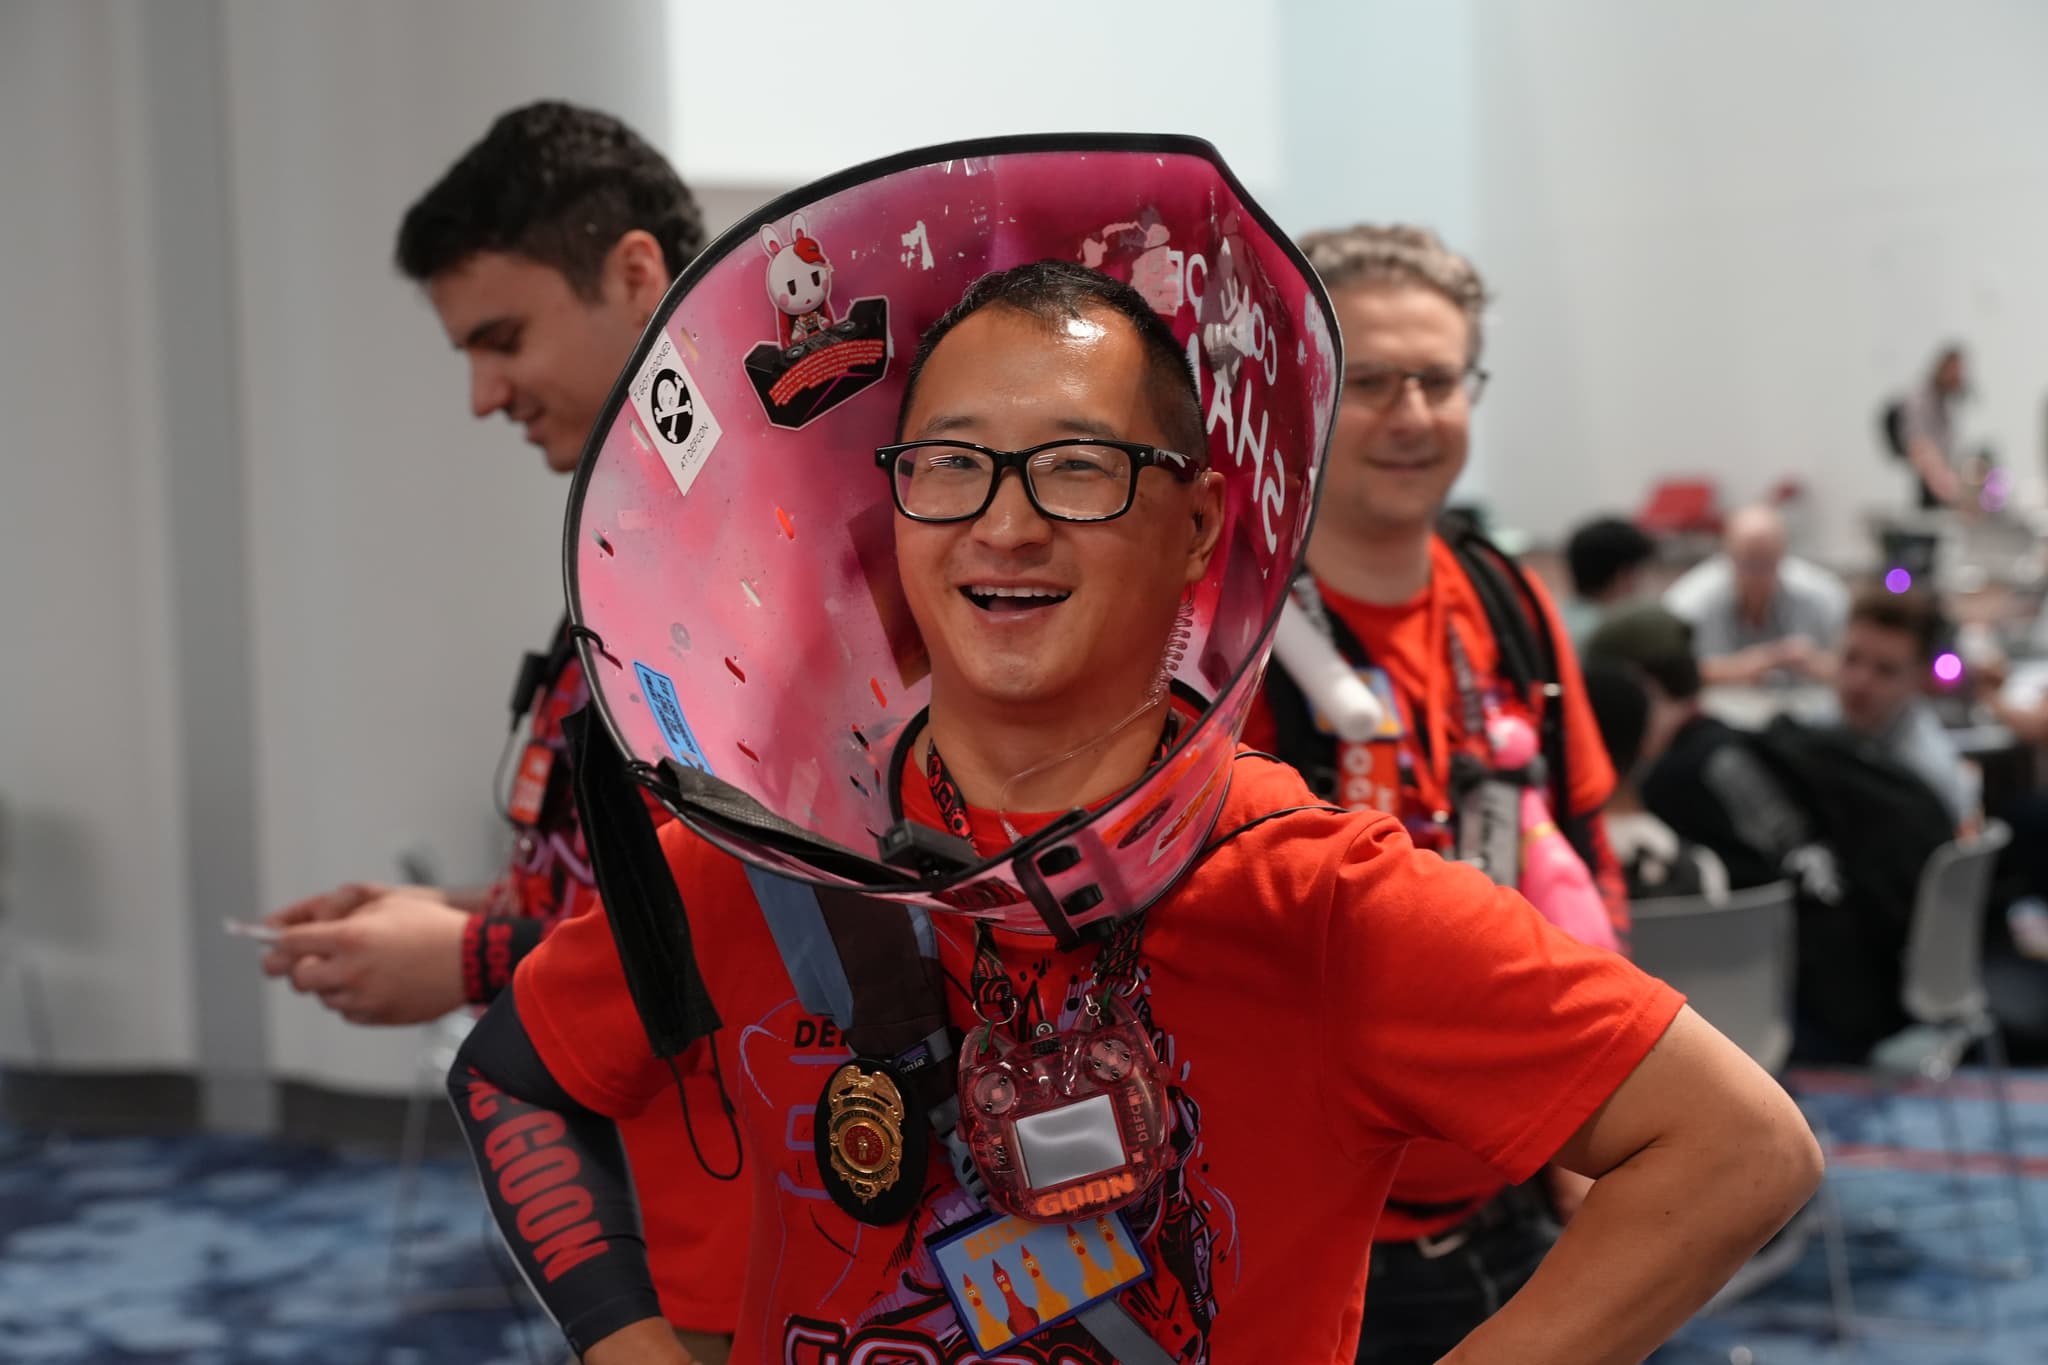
1697 773
1888 654
1655 861
1760 615
2015 692
1609 559
2025 713
1821 807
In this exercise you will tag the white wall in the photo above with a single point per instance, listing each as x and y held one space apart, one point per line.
92 872
197 293
783 100
1381 109
408 554
1722 233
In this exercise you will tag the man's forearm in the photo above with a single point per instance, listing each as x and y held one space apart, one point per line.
1655 1239
2029 724
1742 667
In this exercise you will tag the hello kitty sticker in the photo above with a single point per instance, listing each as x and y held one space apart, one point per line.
819 359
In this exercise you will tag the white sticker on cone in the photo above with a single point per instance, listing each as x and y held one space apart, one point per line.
673 414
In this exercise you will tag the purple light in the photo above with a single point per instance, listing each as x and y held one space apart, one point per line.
1948 667
1898 580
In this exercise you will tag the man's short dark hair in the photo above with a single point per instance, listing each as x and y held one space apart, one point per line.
1656 643
1057 291
1601 551
1621 708
558 184
1913 613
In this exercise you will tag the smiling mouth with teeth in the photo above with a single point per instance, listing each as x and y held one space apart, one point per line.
1014 599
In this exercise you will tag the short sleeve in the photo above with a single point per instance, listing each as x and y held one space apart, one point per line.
573 999
1456 1012
1919 420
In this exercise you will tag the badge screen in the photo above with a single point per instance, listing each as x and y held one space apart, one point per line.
1070 1142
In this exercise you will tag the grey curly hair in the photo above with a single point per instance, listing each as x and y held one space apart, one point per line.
1399 254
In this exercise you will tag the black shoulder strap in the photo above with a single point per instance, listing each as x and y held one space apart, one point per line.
1297 741
649 922
537 671
1529 657
1528 662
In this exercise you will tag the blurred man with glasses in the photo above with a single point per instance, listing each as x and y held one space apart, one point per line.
1453 639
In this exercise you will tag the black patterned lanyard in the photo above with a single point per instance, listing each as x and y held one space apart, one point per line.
1467 679
1471 697
993 999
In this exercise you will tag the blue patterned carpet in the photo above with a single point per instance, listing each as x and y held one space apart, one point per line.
1909 1256
226 1251
221 1251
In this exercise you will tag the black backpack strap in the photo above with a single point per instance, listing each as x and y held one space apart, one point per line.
641 901
1529 657
1891 425
1527 654
1297 740
537 671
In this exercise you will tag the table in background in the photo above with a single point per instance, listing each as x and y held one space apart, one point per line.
1752 707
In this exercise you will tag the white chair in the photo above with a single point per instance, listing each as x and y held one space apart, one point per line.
1734 962
1943 993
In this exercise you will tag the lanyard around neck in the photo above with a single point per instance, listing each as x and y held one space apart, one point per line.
991 993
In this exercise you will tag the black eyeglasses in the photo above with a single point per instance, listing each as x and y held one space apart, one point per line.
1378 388
1070 480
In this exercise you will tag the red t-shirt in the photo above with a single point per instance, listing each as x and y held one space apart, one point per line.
695 1225
1408 640
1320 992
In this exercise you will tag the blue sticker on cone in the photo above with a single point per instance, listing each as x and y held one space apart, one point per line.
668 714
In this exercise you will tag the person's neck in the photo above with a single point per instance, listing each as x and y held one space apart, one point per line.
1383 567
1624 799
986 747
